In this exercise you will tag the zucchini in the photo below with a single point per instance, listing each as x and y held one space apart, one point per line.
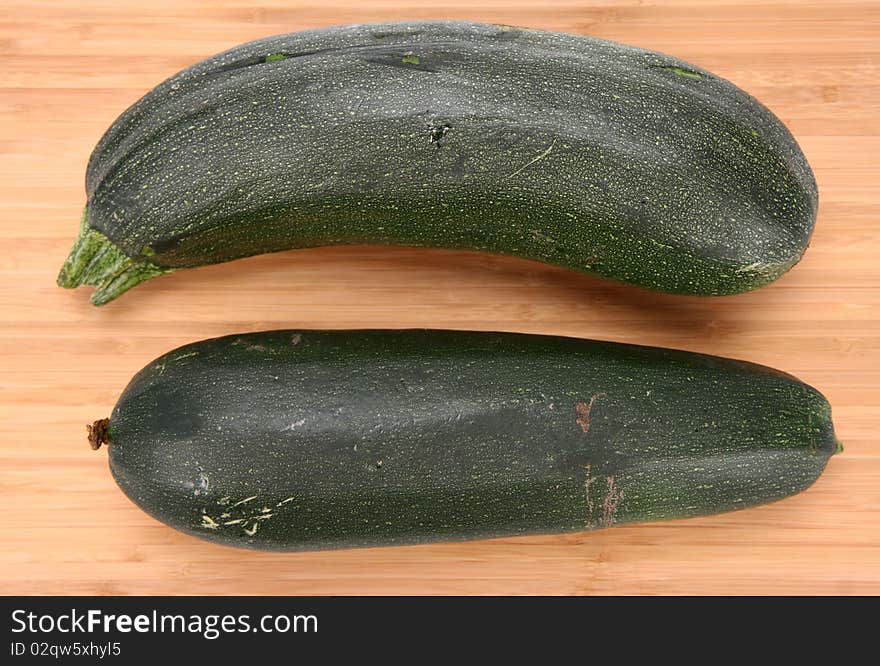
290 440
559 148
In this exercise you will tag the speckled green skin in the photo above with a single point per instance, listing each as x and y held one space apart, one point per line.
564 149
304 440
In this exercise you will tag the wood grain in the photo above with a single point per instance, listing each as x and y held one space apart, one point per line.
67 69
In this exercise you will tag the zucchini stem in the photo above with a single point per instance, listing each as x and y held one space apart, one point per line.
97 261
99 433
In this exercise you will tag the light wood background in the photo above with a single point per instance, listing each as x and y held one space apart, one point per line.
67 69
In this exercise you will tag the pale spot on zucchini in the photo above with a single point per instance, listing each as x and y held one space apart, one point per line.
294 425
768 270
209 523
248 517
533 160
681 71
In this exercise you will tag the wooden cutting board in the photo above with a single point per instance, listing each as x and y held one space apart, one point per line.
68 69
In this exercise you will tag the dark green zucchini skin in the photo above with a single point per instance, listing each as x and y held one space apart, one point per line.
559 148
290 440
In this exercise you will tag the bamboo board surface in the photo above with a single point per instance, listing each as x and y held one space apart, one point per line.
67 69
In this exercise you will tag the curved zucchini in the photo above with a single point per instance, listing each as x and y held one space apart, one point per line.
559 148
291 440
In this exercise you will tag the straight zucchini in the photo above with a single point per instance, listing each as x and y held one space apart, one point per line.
291 440
563 149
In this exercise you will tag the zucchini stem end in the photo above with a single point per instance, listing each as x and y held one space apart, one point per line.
99 433
96 260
